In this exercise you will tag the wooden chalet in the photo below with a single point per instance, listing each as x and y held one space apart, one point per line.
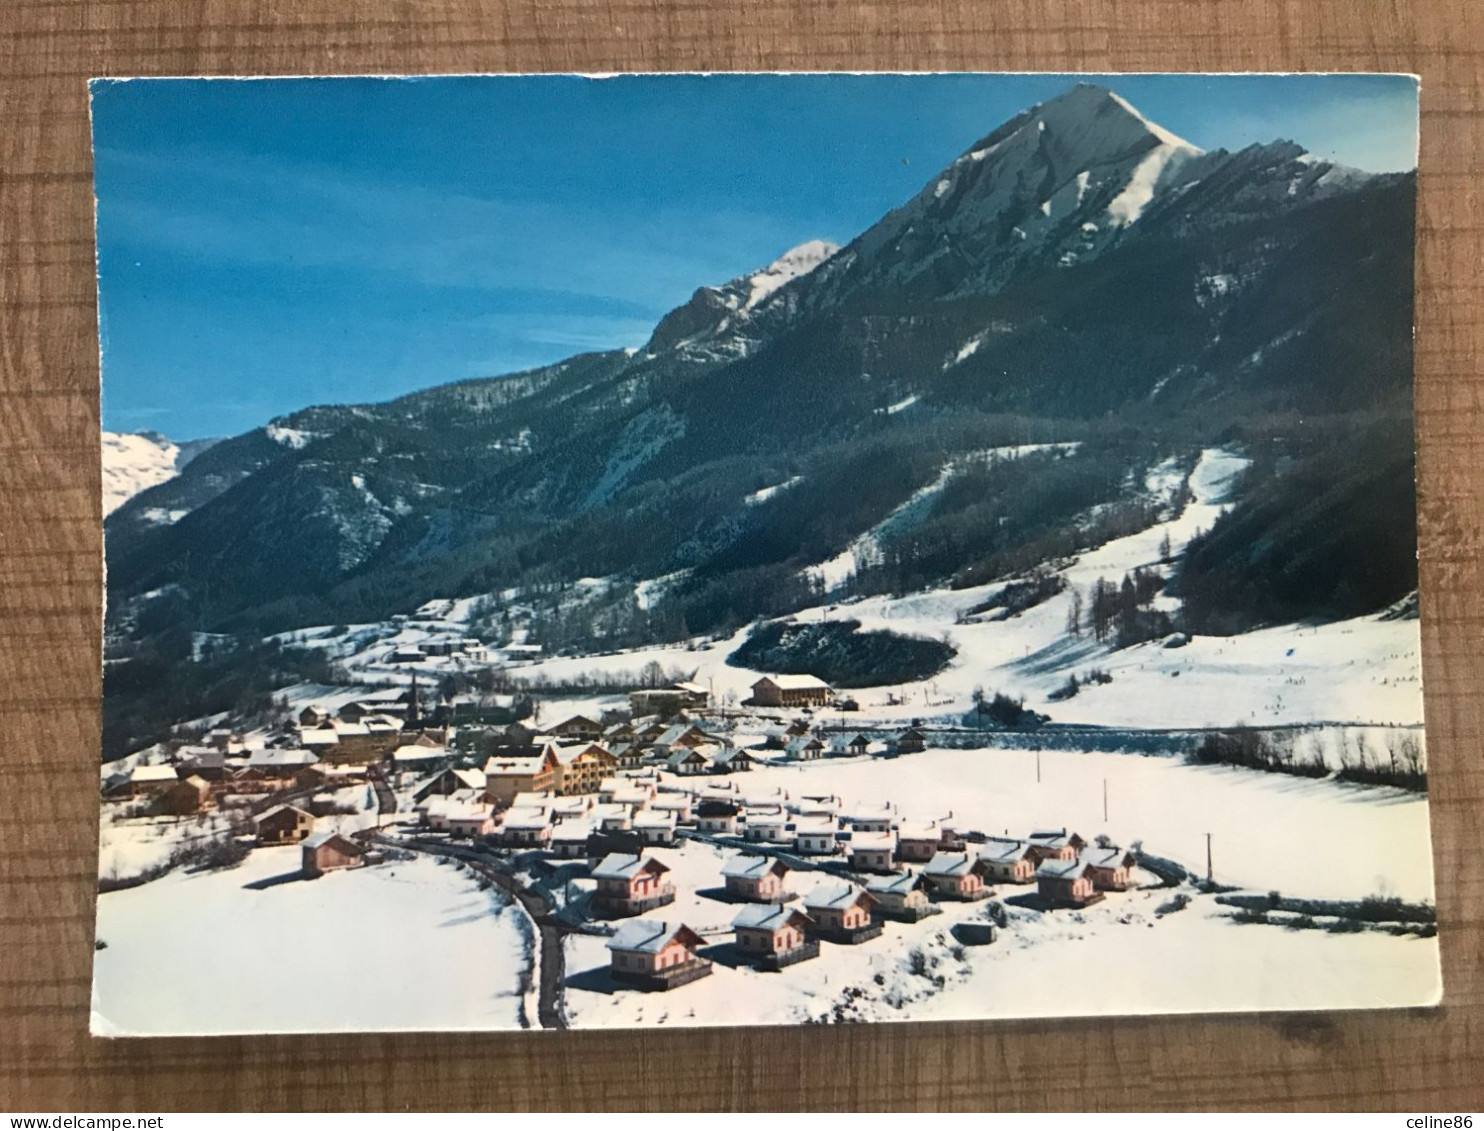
330 851
902 897
1058 844
1065 883
756 879
841 912
656 956
1008 861
774 935
956 876
630 885
1110 869
283 824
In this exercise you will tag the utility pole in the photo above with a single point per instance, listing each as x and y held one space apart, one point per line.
1038 765
1208 859
1105 801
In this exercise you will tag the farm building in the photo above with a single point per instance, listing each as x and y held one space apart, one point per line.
805 749
1065 883
283 824
656 956
902 897
873 851
329 851
841 912
630 885
776 935
859 745
758 879
956 875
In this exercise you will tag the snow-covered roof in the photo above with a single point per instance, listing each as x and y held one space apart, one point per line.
834 893
950 864
527 819
153 773
767 916
650 819
686 754
1004 851
1056 838
318 737
281 756
872 842
412 753
815 828
1062 869
751 867
796 682
896 885
283 807
622 866
328 835
650 937
515 767
1113 857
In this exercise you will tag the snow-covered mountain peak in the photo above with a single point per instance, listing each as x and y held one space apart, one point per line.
790 265
134 462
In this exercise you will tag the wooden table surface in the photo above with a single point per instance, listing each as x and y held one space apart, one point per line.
50 575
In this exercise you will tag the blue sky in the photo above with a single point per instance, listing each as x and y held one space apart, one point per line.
270 244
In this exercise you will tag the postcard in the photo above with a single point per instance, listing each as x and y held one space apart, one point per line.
696 550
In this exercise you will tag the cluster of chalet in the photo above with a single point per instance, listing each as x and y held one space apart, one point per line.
804 744
772 931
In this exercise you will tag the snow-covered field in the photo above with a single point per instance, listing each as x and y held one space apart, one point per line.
1300 836
405 945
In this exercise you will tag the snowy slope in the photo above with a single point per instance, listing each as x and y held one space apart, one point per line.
426 950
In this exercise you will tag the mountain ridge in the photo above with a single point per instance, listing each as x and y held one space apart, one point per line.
1228 287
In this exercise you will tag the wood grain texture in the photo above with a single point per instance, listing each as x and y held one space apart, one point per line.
50 576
